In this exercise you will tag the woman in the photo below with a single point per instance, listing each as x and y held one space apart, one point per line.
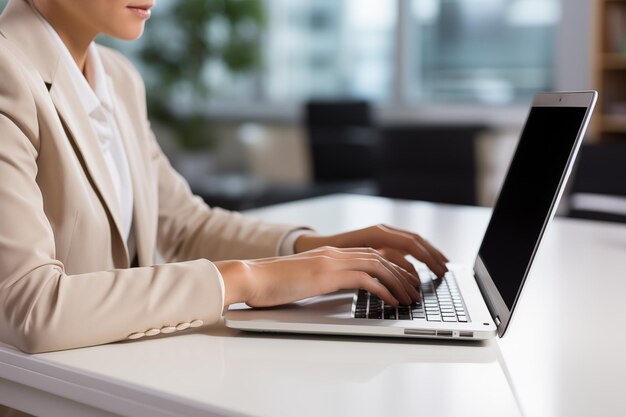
87 197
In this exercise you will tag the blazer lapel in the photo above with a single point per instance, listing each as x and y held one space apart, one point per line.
144 233
76 120
21 25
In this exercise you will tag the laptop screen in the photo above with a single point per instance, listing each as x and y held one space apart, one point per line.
527 195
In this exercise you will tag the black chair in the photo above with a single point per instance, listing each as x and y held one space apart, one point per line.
429 162
598 190
342 140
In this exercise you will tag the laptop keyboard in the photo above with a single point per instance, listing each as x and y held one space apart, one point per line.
440 301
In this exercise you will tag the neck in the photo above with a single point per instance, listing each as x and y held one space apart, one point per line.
75 34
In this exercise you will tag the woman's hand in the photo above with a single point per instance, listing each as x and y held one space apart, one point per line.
275 281
394 244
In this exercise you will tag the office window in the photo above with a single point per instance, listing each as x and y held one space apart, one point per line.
318 48
401 53
486 51
461 51
309 48
329 48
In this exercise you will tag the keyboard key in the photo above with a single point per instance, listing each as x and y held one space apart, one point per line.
441 300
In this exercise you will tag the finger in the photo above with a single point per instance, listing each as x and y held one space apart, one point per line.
429 247
408 286
436 252
424 242
376 267
406 242
409 281
399 259
400 281
357 279
338 251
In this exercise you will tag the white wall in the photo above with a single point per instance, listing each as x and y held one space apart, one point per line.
575 38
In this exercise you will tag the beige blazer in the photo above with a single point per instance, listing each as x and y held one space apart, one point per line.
65 280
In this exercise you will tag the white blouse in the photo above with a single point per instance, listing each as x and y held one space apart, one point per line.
98 104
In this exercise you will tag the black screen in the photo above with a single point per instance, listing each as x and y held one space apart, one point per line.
527 195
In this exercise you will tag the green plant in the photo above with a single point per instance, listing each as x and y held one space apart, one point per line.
179 46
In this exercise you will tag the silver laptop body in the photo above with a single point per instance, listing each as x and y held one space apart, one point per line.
479 300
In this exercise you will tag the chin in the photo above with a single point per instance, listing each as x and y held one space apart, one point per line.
128 34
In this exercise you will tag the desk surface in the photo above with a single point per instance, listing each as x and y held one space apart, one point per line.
562 355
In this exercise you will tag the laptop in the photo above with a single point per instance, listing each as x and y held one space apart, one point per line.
469 302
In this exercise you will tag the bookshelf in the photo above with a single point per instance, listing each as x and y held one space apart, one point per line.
610 70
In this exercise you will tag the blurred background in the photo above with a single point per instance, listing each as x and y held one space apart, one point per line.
264 101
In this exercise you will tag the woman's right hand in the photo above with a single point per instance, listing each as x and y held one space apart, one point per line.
285 279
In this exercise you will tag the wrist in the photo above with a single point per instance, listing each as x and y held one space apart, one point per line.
308 241
236 277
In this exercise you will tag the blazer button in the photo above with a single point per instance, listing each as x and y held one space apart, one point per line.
136 335
183 326
153 332
196 323
168 329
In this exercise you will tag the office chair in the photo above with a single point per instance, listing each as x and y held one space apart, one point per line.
342 142
598 190
429 162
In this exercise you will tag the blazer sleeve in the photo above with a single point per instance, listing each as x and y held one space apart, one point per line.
42 307
189 229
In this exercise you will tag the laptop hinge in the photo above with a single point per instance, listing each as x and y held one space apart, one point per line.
497 320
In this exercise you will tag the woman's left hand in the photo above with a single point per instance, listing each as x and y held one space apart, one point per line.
394 244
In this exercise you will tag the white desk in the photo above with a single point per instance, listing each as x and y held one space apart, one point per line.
554 362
